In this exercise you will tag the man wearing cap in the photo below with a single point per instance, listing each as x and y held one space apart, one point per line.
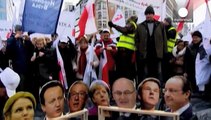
190 57
149 94
20 52
171 34
107 47
125 61
151 46
52 99
68 53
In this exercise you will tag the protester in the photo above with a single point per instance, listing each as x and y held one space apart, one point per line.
52 99
20 51
84 52
177 95
177 60
68 53
4 61
54 40
171 34
125 59
107 47
99 93
151 46
77 96
149 94
124 94
20 106
190 57
203 68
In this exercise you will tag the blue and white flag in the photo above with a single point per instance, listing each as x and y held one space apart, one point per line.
41 16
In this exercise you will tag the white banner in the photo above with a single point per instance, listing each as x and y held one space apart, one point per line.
66 25
132 4
156 4
118 19
5 28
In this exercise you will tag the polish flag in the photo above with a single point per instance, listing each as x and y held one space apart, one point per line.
118 19
103 67
87 20
62 74
156 17
199 12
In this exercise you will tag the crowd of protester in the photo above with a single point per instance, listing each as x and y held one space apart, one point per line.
148 69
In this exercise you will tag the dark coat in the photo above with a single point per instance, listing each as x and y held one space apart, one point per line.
116 116
142 39
186 115
20 52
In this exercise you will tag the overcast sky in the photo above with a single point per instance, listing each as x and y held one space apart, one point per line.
73 1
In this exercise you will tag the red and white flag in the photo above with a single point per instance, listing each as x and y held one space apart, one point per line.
86 22
103 67
62 74
118 19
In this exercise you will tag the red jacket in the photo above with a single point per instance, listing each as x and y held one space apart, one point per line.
109 53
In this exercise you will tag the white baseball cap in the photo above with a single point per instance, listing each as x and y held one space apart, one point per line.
64 39
11 80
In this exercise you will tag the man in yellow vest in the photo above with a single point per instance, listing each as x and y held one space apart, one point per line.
171 34
125 61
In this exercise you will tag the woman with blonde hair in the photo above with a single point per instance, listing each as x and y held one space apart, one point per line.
20 106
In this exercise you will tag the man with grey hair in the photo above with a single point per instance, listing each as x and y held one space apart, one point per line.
124 94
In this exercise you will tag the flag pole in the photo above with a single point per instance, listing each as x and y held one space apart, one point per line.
108 12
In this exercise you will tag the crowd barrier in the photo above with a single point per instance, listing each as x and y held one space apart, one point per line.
83 114
103 109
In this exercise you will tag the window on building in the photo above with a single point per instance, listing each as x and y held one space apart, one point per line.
104 14
99 15
99 6
99 24
104 5
126 14
104 24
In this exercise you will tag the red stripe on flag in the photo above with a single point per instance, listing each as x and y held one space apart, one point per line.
105 72
82 22
60 75
156 17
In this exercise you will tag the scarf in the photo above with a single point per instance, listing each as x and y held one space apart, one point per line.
177 53
82 61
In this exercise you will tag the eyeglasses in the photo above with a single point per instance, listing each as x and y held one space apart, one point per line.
80 94
173 91
126 92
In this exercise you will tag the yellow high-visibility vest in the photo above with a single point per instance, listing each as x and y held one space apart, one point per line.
128 41
171 41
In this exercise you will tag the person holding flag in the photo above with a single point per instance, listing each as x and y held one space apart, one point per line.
106 51
125 61
86 61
